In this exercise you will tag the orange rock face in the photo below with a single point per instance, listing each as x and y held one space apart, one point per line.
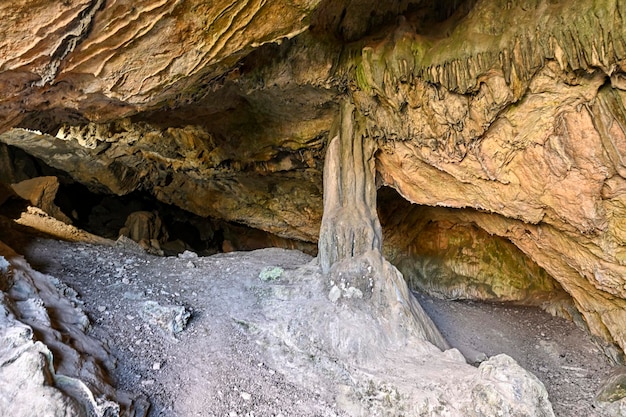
106 59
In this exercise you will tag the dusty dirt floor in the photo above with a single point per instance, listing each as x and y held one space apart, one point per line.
212 367
560 354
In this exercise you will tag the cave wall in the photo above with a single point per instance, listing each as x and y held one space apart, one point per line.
441 255
511 111
267 186
522 136
105 59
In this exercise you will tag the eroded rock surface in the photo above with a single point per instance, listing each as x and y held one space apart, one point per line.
521 135
390 369
41 192
350 226
41 374
441 255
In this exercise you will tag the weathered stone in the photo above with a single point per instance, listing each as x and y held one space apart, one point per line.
27 390
611 395
129 244
41 192
145 228
266 188
188 255
350 225
38 315
502 381
518 134
614 388
350 241
170 318
270 273
119 56
390 369
441 255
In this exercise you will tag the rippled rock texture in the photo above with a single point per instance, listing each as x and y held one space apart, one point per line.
506 115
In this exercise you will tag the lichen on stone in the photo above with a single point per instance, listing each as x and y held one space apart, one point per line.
271 273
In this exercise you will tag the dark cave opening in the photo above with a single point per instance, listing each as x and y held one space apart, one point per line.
442 254
160 228
108 215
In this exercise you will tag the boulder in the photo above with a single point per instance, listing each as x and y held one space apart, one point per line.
41 192
145 228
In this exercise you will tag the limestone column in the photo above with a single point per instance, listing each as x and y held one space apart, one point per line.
350 225
350 243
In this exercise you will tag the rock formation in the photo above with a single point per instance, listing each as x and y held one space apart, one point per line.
508 116
38 314
350 241
350 225
459 260
145 228
41 192
373 348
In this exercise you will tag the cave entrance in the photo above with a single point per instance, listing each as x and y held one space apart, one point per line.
159 228
443 255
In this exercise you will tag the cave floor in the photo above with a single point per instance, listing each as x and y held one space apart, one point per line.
213 368
560 354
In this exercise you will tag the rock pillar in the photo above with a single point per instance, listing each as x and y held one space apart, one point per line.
350 225
350 245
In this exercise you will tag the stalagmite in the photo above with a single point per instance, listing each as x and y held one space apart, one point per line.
350 225
350 241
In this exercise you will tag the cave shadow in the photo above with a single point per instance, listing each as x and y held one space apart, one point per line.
445 255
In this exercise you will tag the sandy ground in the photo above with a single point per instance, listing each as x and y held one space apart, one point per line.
213 367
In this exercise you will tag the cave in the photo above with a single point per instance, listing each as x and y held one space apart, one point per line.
312 197
442 254
106 215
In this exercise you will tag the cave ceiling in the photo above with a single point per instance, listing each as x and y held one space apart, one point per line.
510 111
